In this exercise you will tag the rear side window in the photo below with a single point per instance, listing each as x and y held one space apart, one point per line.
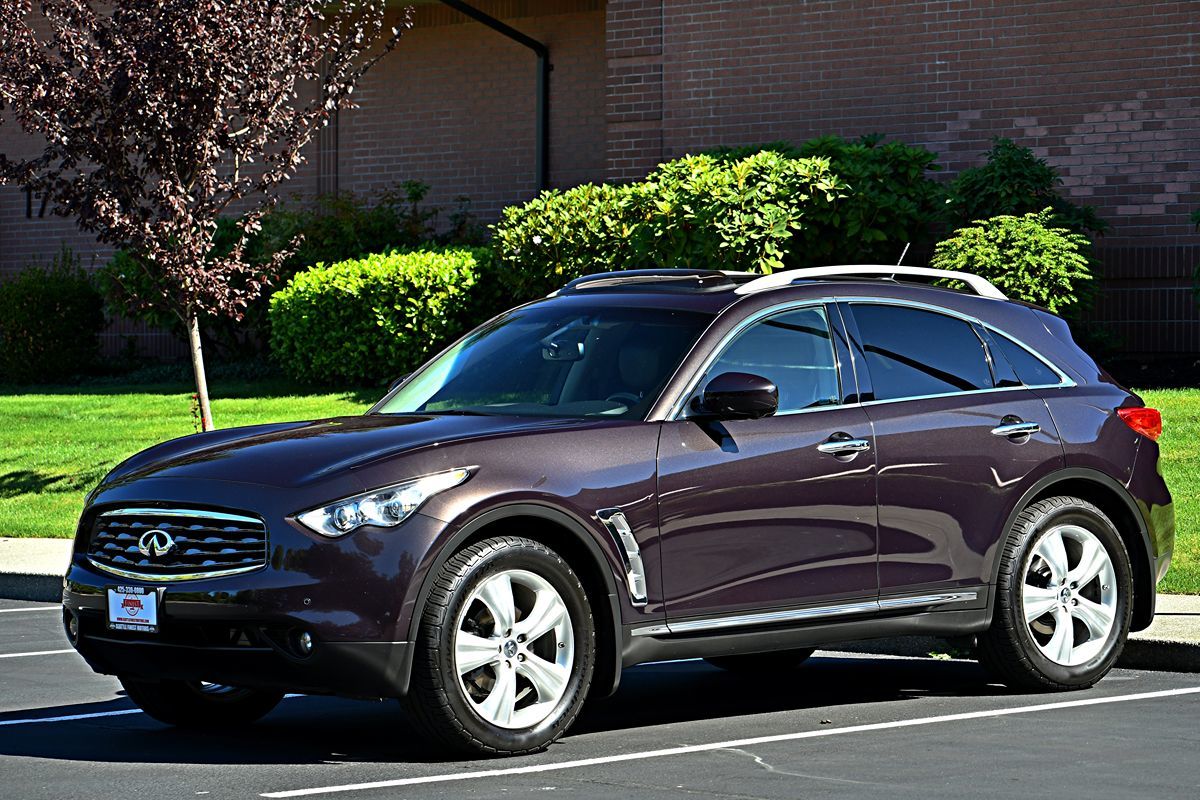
911 352
1030 369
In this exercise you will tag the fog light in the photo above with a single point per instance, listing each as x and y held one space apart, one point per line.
72 625
305 641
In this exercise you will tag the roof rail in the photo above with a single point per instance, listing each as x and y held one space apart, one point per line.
981 286
667 278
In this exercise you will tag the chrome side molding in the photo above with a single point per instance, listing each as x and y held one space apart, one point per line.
803 614
635 572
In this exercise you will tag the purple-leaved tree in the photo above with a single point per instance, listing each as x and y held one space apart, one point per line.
159 116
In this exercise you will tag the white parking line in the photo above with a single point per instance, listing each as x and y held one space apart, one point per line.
36 608
72 717
93 715
36 653
737 743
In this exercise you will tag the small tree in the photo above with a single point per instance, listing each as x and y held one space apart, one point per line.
1028 257
159 116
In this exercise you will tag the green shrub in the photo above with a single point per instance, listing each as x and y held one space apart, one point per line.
704 212
1015 181
698 211
754 209
375 318
891 201
1027 257
50 322
560 235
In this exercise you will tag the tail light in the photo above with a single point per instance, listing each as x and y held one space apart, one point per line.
1146 421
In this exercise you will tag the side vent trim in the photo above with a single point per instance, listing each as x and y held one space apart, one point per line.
635 572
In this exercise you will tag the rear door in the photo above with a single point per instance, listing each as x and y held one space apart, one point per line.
771 514
957 440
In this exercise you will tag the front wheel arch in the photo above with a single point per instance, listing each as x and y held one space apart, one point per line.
1115 501
569 537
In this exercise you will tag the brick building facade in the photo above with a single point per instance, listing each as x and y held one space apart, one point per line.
1108 91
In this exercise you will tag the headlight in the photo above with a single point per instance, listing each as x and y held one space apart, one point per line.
385 507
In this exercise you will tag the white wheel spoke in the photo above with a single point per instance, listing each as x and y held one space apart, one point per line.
472 652
1097 617
1063 641
498 705
497 595
546 676
1037 601
1054 553
1063 598
527 688
1091 562
546 614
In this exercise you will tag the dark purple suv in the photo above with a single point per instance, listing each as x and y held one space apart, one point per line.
645 465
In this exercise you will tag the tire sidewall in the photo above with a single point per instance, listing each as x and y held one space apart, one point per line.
564 581
1095 668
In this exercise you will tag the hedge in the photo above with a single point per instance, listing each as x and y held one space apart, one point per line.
375 318
50 322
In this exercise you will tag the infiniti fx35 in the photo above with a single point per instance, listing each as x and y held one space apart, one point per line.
645 465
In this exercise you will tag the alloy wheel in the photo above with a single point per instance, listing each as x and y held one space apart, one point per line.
514 649
1069 595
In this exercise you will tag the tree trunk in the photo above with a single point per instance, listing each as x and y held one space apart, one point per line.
193 326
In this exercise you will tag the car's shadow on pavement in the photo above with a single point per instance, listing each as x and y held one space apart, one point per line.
317 730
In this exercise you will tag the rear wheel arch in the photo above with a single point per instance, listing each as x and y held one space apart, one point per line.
572 540
1114 500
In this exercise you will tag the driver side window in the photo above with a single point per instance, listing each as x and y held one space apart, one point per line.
794 350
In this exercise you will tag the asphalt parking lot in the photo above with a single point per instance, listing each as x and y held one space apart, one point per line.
849 726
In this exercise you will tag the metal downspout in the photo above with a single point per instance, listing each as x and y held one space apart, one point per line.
542 127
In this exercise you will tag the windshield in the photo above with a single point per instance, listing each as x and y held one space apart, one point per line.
549 361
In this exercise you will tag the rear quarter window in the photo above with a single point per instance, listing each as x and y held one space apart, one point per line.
1030 369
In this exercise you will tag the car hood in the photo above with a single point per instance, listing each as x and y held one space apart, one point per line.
298 453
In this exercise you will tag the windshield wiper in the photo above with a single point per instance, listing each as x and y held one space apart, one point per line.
455 412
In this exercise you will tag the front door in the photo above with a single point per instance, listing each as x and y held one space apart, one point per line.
775 513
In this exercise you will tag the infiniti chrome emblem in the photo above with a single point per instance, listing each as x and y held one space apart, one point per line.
156 543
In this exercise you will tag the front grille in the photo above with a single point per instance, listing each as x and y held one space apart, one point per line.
203 544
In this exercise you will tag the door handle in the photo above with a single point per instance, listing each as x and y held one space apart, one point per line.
837 446
1015 429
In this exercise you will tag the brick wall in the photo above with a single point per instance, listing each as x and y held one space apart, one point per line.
634 97
1108 91
455 106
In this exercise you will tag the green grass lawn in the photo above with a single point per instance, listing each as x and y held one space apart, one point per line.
1180 444
56 445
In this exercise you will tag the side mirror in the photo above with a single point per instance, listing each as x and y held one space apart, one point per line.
739 395
397 382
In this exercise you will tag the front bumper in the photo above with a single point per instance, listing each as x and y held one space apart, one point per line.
351 595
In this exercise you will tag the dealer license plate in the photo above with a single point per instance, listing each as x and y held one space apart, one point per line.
133 608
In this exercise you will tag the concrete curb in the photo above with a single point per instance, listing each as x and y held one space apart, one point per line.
1161 654
31 586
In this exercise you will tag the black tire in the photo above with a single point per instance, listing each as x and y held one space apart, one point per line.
764 663
1008 648
438 702
191 704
